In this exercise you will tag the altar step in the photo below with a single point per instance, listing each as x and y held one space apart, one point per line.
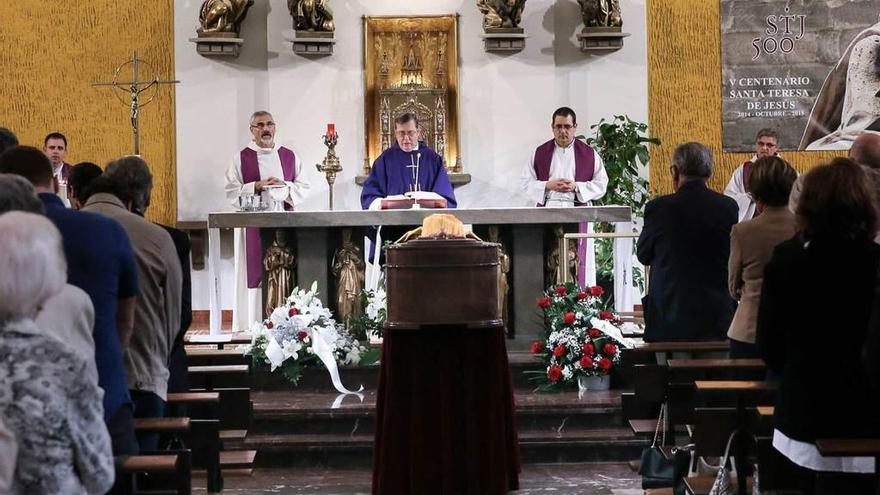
298 428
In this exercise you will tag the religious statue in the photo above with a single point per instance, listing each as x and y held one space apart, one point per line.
601 13
222 17
279 263
348 268
501 13
311 15
503 269
553 269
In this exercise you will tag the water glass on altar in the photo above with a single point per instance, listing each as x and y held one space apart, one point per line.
249 202
278 193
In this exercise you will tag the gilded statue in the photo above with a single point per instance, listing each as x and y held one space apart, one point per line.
503 270
348 268
311 15
553 269
279 262
601 13
501 13
218 17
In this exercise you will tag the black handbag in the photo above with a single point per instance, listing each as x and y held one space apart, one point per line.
656 470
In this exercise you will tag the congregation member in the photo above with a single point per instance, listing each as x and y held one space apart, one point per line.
564 171
81 175
101 262
766 145
752 243
55 415
7 139
828 269
686 242
133 173
260 166
68 315
157 312
55 148
408 165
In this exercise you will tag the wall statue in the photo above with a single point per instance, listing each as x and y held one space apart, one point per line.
601 13
222 17
501 13
348 268
311 15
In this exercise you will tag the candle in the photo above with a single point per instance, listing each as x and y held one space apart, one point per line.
331 130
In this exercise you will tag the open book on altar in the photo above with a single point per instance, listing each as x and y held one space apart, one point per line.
415 199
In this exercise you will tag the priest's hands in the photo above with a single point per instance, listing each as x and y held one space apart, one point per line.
271 181
560 185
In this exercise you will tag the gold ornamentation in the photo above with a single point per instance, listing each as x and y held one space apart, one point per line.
222 17
601 13
503 269
501 13
311 15
279 263
348 268
330 167
553 269
411 66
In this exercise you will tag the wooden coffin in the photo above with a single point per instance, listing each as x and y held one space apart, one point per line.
442 282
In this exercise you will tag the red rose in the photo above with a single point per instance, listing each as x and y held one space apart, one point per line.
302 335
587 362
561 290
582 295
609 349
569 318
554 373
605 364
594 332
544 302
293 312
537 347
596 291
559 350
606 315
589 349
269 324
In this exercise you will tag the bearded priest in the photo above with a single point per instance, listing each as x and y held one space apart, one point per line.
258 167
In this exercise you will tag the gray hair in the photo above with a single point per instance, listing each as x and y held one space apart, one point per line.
32 264
133 174
260 113
17 194
693 160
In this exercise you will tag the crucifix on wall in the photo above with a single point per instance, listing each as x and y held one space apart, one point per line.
138 93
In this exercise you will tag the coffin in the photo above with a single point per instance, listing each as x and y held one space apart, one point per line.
442 282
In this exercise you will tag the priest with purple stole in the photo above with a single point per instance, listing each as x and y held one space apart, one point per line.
260 166
407 166
565 172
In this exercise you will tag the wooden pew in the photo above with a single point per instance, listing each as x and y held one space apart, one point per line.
219 376
211 357
833 483
220 340
170 473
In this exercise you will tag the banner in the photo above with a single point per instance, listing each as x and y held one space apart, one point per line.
809 69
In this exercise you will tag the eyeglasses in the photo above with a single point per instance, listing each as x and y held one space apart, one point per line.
567 127
263 125
409 134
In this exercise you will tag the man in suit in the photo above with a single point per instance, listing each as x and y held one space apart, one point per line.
686 242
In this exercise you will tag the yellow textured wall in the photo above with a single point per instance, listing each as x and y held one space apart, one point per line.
51 54
684 89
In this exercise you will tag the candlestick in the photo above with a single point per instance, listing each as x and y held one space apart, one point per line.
330 167
331 129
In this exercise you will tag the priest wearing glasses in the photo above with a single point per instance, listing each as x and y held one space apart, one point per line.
407 166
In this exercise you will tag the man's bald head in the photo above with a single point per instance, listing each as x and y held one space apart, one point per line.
866 150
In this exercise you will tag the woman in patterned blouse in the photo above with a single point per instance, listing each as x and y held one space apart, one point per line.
55 414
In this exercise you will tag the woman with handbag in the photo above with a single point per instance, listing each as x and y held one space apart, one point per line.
813 319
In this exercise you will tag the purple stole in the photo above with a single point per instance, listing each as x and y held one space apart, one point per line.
584 162
584 167
250 172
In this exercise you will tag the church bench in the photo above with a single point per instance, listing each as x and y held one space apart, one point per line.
659 491
193 397
170 473
208 357
643 427
832 483
700 485
210 377
220 340
237 459
681 346
165 425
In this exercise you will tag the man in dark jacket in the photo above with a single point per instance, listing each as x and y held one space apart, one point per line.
686 242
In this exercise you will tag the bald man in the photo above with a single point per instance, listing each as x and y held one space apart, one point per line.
866 152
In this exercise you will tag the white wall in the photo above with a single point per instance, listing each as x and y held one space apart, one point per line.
506 99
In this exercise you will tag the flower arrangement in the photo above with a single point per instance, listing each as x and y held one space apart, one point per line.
375 312
302 333
582 338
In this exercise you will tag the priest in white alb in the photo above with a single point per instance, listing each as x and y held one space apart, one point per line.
260 166
766 144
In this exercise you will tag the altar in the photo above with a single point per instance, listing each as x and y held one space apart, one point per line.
523 228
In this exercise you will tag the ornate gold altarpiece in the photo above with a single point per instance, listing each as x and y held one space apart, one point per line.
411 65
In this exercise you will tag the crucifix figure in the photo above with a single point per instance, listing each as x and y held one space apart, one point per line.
414 169
135 88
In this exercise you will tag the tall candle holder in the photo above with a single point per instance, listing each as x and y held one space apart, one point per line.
330 167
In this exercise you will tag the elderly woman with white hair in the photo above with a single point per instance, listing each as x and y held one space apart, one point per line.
55 414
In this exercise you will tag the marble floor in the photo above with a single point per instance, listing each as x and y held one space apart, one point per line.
556 479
